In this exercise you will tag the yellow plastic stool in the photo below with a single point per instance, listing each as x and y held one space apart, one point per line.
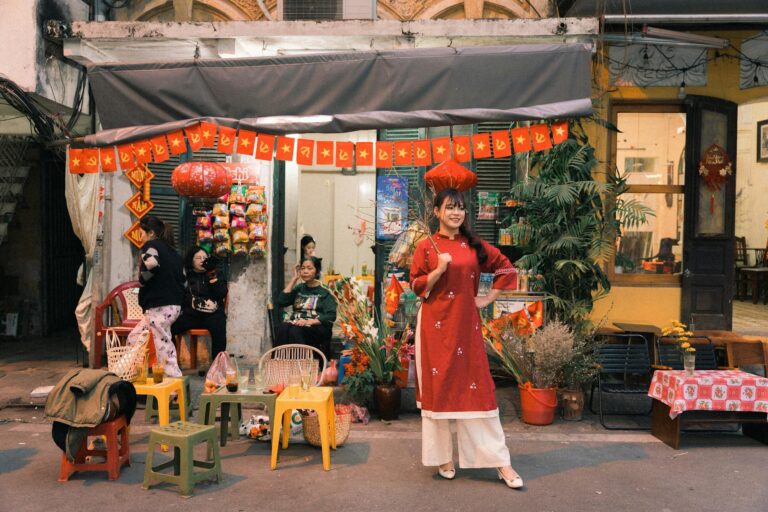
162 393
321 400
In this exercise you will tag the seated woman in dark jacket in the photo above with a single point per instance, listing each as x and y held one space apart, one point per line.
314 308
203 306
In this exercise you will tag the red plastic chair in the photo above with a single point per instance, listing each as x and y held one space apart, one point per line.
123 304
115 458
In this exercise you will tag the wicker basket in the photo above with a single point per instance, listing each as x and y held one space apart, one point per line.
125 361
311 427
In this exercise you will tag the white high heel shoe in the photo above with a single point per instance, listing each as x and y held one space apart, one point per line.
514 483
448 474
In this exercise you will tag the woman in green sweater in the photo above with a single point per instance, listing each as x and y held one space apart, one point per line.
314 308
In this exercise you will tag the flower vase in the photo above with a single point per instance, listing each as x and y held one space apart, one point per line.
386 398
689 363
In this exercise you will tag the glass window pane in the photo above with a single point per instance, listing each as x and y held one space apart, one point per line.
710 217
651 147
657 246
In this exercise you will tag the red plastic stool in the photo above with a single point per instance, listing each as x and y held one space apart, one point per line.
114 459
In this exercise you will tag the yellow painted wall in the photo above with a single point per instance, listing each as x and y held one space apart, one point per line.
659 305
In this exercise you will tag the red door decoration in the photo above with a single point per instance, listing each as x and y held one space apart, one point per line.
450 174
134 235
137 204
138 175
714 168
201 179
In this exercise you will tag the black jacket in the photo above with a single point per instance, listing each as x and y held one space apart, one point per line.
160 276
202 296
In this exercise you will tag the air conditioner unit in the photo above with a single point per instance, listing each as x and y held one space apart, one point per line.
315 10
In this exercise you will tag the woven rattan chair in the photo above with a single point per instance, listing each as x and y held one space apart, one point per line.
279 363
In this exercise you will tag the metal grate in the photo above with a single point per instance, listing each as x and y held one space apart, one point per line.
493 175
313 9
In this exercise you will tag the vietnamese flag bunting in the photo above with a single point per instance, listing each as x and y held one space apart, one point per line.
177 143
265 147
208 133
344 151
76 165
540 137
195 137
90 161
559 132
521 140
441 149
384 154
422 154
481 145
501 147
305 152
364 152
143 151
226 140
325 152
107 158
403 153
125 155
461 148
160 148
246 140
285 147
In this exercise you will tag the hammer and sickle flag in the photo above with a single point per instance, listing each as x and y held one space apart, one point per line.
461 151
344 152
501 147
384 154
422 154
226 140
125 155
305 151
265 147
160 148
90 161
194 136
540 137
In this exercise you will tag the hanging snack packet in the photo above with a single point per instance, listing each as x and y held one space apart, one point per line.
221 209
258 249
222 249
237 209
220 221
240 249
204 236
221 235
255 194
254 210
257 231
239 236
204 221
237 193
238 223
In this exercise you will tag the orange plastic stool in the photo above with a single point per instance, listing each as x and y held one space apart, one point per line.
114 459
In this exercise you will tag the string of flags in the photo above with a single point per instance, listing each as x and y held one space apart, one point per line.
383 154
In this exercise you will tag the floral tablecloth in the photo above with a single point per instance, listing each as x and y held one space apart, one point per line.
710 390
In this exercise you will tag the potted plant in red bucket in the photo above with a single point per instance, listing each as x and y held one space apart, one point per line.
535 358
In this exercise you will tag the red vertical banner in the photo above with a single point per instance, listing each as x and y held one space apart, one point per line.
481 145
143 151
177 143
226 140
208 134
422 153
305 151
107 159
559 132
403 153
521 140
461 148
90 161
540 137
325 152
284 149
364 153
441 149
195 137
76 161
160 148
265 147
384 154
125 155
501 146
246 140
344 152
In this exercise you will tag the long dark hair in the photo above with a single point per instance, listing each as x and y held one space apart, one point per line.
456 197
189 256
162 230
317 262
305 241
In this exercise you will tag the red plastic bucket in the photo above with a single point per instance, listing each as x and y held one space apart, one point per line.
538 405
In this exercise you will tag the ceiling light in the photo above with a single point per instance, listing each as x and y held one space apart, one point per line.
687 37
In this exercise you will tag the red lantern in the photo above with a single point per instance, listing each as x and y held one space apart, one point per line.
450 174
201 179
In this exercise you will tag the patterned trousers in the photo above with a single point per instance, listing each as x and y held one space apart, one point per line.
159 321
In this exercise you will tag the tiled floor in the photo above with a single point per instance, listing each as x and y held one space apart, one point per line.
751 319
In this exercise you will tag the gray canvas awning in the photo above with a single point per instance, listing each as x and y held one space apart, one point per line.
343 92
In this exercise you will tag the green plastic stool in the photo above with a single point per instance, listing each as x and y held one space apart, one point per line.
183 437
150 410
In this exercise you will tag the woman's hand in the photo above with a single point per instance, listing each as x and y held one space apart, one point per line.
305 323
482 301
443 259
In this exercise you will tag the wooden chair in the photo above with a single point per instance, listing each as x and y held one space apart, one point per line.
123 313
740 260
749 353
279 363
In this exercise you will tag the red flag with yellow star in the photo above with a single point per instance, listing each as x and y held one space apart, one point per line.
501 146
384 154
403 153
160 148
540 137
208 133
481 145
265 147
441 149
422 153
325 152
76 161
125 156
344 154
305 151
521 139
195 137
226 140
107 158
394 290
90 161
364 152
285 147
143 151
461 148
176 143
559 132
246 140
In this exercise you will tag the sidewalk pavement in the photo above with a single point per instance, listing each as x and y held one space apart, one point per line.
567 466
